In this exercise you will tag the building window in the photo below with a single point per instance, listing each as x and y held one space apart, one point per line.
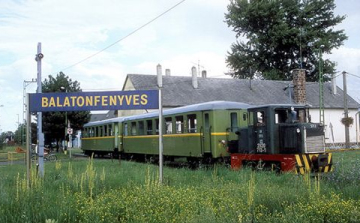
192 123
179 123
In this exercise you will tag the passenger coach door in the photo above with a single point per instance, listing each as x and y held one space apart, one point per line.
116 134
206 133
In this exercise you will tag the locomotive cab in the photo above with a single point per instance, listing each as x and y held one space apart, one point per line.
282 129
284 132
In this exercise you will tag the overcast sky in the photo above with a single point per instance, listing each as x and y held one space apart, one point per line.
192 33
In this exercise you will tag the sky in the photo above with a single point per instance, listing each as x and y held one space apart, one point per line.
191 34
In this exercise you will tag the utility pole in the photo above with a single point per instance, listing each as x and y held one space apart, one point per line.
321 89
40 135
161 146
346 112
25 84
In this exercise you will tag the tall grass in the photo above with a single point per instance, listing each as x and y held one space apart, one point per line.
105 191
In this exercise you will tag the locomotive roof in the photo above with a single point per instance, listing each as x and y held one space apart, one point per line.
280 106
212 105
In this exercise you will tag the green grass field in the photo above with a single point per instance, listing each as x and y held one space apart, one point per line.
108 191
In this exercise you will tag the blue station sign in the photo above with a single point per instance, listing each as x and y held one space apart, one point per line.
91 101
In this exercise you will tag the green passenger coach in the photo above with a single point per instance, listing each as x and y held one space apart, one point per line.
200 132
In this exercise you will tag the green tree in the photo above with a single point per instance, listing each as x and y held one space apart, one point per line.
20 134
277 36
54 122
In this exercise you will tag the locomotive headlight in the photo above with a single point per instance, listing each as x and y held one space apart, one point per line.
298 130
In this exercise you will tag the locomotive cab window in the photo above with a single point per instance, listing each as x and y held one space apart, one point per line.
260 118
192 123
290 115
281 116
179 123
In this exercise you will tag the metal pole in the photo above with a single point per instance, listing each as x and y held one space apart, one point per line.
28 141
346 112
40 135
357 128
25 84
161 146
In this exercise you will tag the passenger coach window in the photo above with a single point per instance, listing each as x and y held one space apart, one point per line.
168 125
192 123
157 126
105 131
86 133
234 121
91 132
99 131
110 130
149 127
133 128
141 128
179 124
126 129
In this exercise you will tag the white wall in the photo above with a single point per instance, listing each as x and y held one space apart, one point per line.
334 117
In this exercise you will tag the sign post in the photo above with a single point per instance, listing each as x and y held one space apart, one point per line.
28 140
87 101
40 135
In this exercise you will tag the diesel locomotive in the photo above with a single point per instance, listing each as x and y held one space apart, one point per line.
280 137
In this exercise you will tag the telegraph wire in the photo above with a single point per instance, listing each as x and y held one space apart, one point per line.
353 75
133 32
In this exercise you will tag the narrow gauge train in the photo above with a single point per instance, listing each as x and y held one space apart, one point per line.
280 137
197 132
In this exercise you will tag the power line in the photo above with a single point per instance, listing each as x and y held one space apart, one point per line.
353 75
133 32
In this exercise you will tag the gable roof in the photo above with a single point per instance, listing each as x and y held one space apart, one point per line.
178 91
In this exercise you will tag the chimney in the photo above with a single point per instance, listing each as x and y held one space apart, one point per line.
194 77
167 72
203 74
159 75
299 83
333 84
